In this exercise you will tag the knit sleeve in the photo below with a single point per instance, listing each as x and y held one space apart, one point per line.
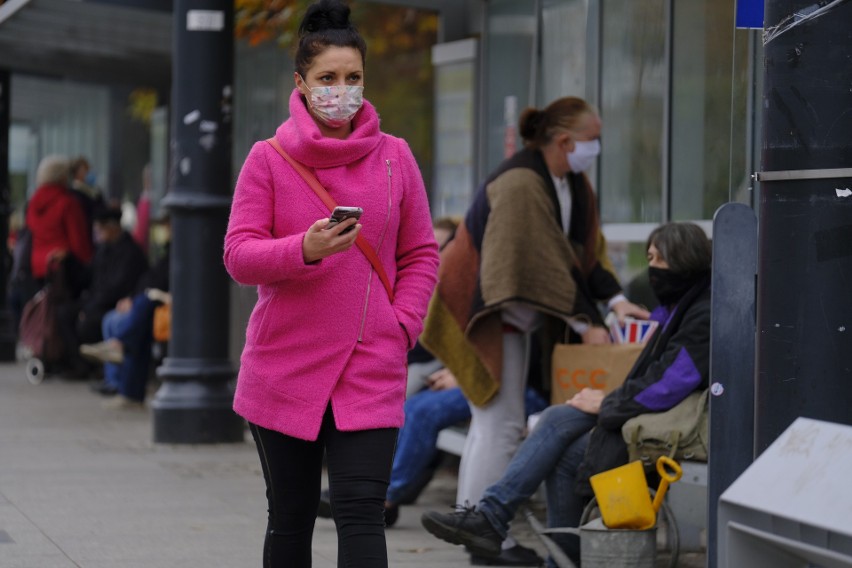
253 255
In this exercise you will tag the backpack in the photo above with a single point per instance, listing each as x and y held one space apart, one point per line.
679 433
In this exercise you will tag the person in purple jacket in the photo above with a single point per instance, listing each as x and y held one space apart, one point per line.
323 367
575 440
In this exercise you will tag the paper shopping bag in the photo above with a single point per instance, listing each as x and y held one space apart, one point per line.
577 366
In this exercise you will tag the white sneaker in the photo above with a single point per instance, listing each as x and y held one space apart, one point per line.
109 351
157 295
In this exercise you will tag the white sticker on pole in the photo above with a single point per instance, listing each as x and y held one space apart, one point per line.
205 20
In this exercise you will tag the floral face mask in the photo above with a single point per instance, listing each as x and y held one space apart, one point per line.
336 105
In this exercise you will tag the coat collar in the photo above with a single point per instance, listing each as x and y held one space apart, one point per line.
301 137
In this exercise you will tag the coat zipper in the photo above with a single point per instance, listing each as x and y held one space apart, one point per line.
364 312
381 240
390 202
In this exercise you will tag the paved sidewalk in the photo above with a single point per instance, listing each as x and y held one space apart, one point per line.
83 486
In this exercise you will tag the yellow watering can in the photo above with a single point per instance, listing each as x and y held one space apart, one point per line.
623 497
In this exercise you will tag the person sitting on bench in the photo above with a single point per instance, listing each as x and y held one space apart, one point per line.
127 338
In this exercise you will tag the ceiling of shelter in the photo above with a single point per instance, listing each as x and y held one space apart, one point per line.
86 42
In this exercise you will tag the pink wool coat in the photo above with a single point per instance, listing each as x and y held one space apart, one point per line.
327 331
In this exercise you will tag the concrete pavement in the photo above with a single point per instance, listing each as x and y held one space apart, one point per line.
84 487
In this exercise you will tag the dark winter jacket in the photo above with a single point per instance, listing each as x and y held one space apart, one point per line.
675 363
158 275
116 269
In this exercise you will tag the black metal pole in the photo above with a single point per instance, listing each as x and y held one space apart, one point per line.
193 405
804 299
8 335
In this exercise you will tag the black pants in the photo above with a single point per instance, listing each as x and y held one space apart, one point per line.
359 466
76 331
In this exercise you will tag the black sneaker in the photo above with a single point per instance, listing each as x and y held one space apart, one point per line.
466 526
516 556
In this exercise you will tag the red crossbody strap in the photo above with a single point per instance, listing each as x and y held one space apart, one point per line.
326 198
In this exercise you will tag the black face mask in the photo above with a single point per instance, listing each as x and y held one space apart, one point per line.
668 286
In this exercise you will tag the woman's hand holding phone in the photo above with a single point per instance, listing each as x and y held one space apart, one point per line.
341 214
327 237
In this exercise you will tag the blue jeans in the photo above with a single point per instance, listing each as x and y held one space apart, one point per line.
134 329
426 414
551 453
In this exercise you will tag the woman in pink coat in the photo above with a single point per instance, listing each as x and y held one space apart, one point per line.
323 368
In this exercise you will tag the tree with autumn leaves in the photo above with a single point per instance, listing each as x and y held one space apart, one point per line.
385 27
398 75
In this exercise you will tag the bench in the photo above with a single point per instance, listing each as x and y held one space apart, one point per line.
451 440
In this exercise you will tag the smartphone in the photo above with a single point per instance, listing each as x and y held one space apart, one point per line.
342 213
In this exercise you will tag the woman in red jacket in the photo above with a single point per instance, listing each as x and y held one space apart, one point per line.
55 219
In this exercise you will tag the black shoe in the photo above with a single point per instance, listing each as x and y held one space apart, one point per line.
391 514
516 556
324 510
104 388
466 526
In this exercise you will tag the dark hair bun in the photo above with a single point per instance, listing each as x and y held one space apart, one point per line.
530 123
325 15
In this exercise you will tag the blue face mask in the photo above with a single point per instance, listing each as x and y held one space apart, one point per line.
584 155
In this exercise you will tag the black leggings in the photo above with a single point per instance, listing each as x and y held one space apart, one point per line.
359 466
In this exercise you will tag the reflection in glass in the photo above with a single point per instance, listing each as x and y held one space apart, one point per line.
563 49
708 147
633 90
509 69
454 179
